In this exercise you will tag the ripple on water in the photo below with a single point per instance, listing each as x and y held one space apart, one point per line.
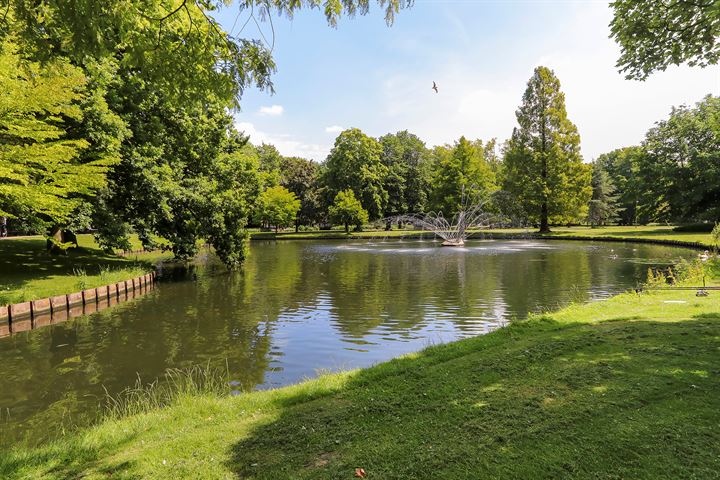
302 307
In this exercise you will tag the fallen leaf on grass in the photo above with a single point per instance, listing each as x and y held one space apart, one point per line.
360 473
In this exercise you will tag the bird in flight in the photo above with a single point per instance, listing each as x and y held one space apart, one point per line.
434 87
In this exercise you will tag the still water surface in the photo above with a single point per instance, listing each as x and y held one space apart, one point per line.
299 307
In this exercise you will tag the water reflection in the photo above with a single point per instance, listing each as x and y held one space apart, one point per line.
298 307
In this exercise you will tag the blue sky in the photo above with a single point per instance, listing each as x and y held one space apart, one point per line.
481 54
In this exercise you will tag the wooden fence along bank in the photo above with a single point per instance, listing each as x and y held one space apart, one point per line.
20 317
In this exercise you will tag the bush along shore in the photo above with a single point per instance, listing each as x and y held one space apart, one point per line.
628 387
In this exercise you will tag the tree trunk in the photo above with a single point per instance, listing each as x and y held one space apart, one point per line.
55 237
297 226
544 226
347 228
3 227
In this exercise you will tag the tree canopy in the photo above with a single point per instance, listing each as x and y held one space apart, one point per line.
277 207
408 172
460 171
150 35
43 174
543 165
654 34
347 210
355 163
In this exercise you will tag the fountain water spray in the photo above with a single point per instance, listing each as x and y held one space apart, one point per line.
456 230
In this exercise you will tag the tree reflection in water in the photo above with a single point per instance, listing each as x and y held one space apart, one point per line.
297 307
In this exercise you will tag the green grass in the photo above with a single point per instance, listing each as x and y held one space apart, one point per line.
626 388
29 272
653 232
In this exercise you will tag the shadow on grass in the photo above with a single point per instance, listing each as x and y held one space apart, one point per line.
539 399
630 232
25 260
621 399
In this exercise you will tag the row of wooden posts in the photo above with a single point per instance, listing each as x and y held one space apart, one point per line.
38 313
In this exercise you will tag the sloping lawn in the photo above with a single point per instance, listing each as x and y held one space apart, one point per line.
29 272
626 388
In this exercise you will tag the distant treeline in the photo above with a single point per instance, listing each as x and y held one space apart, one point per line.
118 118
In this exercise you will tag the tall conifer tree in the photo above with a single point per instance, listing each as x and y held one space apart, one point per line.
543 165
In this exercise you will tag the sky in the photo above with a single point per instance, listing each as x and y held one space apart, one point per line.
480 53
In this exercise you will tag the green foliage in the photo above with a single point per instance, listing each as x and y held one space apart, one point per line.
43 175
460 170
656 34
716 235
130 102
300 176
277 206
622 166
408 173
347 210
225 199
603 203
355 163
185 174
680 171
543 166
674 176
270 160
149 36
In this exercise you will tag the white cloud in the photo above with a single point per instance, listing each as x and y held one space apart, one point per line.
273 110
287 144
334 129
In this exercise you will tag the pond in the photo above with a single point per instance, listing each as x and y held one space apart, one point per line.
296 308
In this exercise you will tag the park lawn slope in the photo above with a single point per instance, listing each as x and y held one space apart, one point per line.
29 272
625 388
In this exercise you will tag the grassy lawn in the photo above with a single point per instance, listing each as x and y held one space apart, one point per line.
29 272
651 232
626 388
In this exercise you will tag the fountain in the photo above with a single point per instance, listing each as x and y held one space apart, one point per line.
456 230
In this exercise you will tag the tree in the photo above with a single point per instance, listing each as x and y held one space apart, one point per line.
44 176
167 119
270 160
655 34
300 176
225 198
457 171
622 166
603 203
347 210
408 178
354 163
543 166
185 174
278 206
680 169
149 36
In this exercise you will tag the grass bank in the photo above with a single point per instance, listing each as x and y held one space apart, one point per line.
625 388
642 233
29 272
